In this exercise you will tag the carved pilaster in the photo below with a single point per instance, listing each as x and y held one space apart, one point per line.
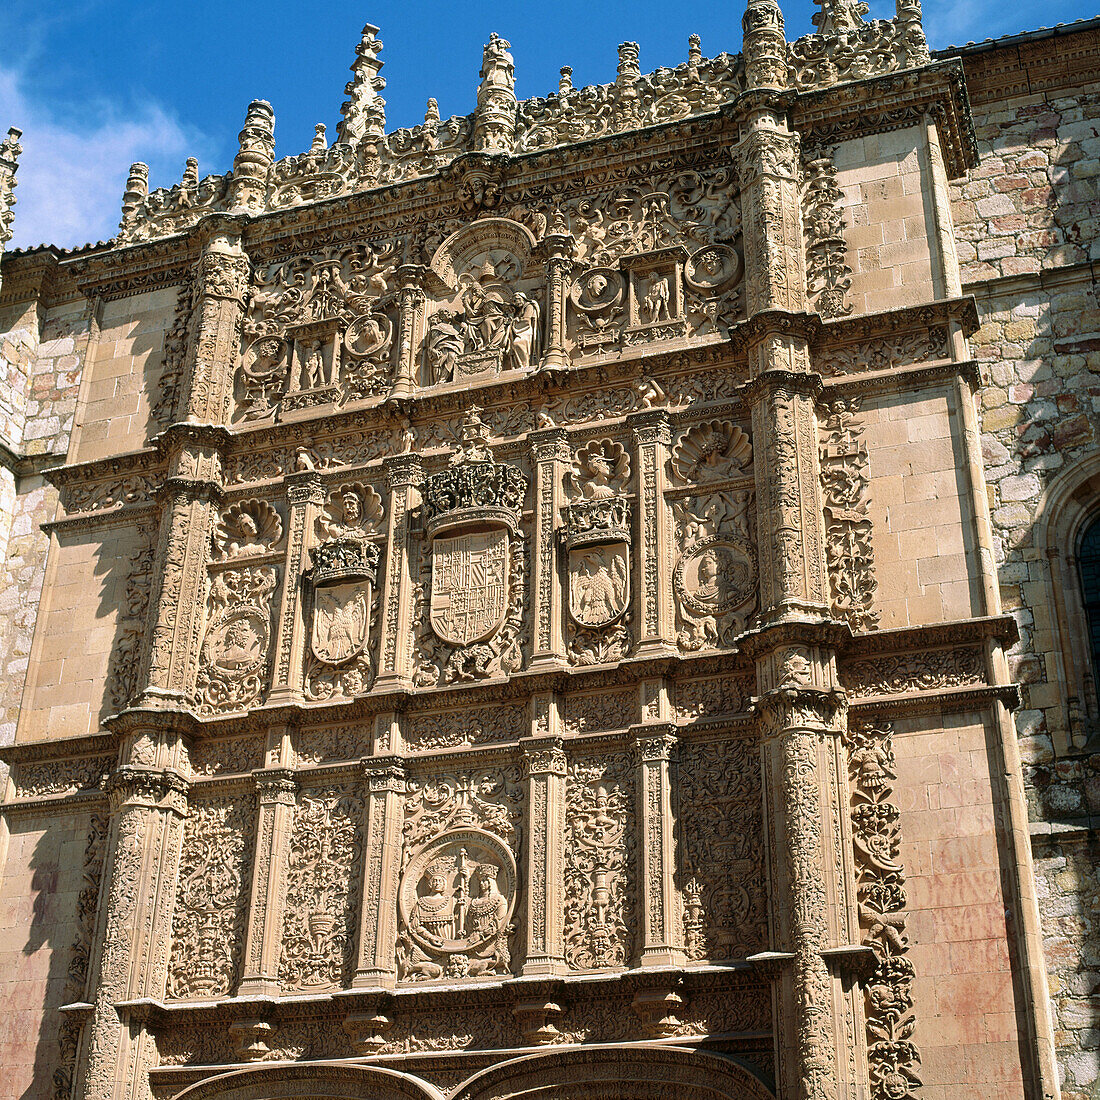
179 602
799 723
545 763
305 494
662 920
395 660
790 521
559 264
550 450
377 965
410 297
276 790
652 436
222 278
130 961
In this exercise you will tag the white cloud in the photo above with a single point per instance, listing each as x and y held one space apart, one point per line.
73 170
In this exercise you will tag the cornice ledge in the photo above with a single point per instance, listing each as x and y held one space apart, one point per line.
919 702
868 326
898 378
819 632
1003 628
37 752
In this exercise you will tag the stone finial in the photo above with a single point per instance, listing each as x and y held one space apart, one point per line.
909 20
9 165
255 156
695 51
190 173
764 45
364 111
628 71
137 191
431 112
565 82
319 143
495 116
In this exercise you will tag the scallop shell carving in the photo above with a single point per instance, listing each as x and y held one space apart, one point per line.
247 527
710 451
354 510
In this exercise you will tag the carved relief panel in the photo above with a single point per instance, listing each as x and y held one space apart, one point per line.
599 862
597 538
486 304
471 595
459 876
319 329
723 868
714 576
323 886
343 590
655 264
212 897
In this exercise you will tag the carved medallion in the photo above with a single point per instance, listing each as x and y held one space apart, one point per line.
236 643
715 576
456 902
341 614
469 586
599 583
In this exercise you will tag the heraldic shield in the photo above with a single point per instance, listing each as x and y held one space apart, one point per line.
469 586
599 583
341 618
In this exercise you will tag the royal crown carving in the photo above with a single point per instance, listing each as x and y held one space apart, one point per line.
345 559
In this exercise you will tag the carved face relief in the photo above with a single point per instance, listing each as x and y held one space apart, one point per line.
715 577
237 643
711 451
456 902
250 527
351 511
469 586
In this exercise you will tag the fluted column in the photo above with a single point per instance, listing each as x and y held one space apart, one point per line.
395 660
377 965
305 494
276 790
653 585
545 765
550 451
662 919
130 960
410 296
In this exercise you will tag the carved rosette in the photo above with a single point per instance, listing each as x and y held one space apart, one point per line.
235 652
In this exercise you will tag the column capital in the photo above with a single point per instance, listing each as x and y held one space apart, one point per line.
550 445
276 786
304 487
544 756
134 785
650 426
655 741
402 471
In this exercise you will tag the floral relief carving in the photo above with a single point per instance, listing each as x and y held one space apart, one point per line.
588 712
60 777
235 652
714 695
896 674
880 887
725 909
211 898
828 276
884 354
462 728
599 862
226 756
246 528
323 873
849 550
125 668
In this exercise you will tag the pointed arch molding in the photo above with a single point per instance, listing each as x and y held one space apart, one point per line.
1070 502
641 1072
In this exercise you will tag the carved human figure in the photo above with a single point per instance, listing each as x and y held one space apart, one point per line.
655 301
240 645
445 345
526 340
486 921
433 916
313 367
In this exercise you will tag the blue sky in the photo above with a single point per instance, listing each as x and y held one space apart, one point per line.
98 84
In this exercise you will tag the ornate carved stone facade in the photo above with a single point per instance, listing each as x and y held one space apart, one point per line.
531 623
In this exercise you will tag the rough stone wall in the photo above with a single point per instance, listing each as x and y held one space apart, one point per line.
1028 235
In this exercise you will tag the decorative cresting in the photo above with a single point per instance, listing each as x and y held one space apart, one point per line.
876 836
472 512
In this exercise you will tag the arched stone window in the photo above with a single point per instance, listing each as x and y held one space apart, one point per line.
1067 624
